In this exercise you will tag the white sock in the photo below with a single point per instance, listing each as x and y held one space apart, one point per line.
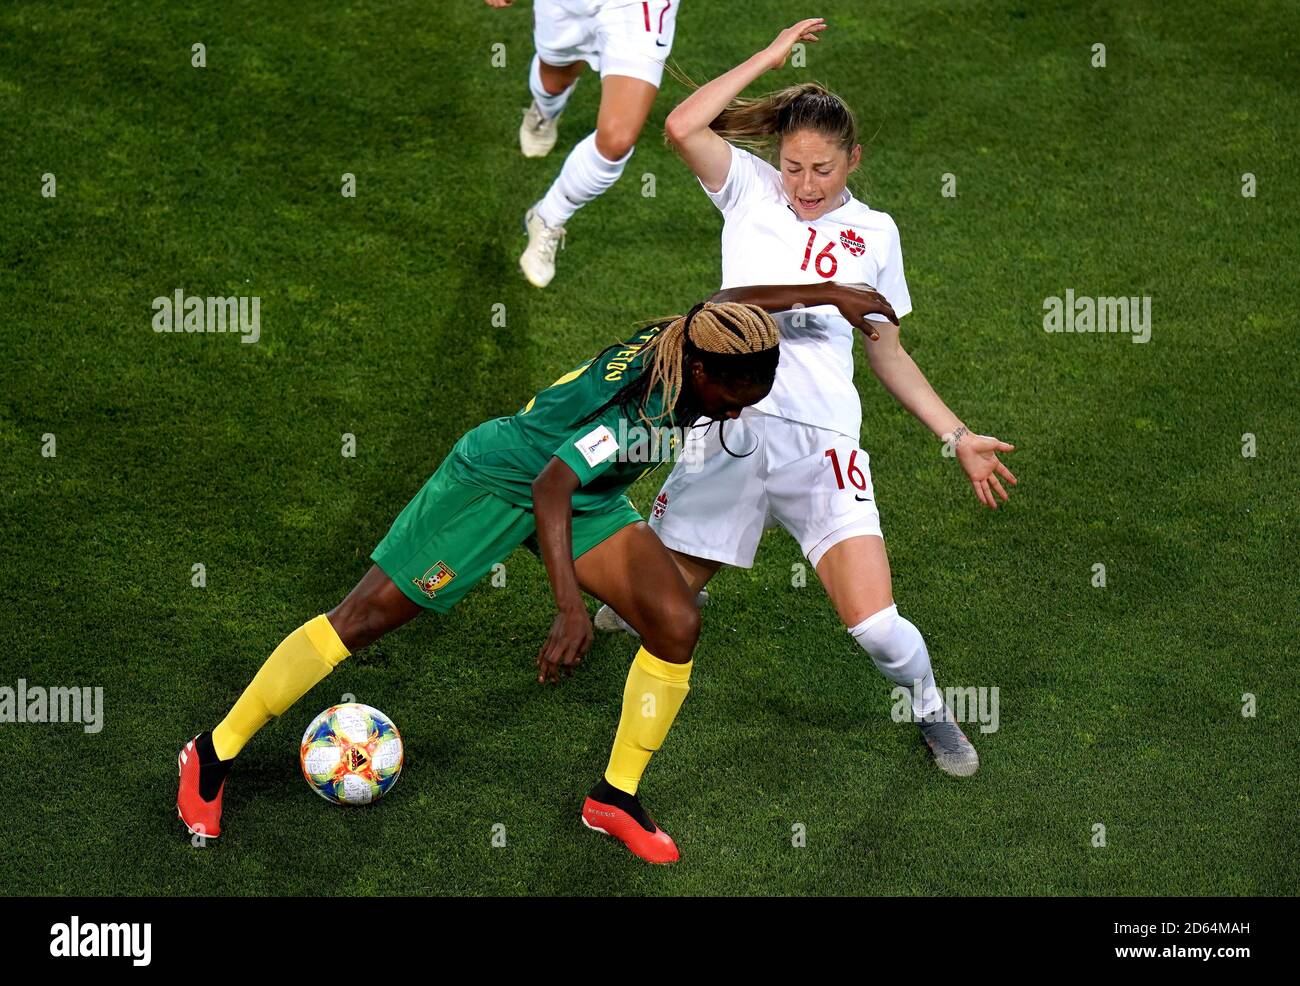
898 649
549 105
584 176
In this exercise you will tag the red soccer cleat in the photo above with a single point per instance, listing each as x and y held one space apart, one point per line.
653 847
200 817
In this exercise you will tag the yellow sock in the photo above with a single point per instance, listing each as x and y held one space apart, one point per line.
655 691
303 658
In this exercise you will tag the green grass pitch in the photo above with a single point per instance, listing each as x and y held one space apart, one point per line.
1120 705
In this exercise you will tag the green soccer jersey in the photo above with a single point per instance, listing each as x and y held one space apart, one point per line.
608 453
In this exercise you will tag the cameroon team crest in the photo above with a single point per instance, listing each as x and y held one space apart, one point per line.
852 242
434 579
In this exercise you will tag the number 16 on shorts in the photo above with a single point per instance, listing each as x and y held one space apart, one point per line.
849 474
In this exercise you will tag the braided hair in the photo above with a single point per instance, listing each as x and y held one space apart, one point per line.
734 342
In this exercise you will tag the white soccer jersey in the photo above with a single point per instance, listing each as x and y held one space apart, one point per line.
764 242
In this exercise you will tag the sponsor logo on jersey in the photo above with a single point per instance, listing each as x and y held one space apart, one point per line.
661 504
853 243
597 445
435 579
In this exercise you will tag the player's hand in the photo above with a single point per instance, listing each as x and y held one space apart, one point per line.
571 636
977 455
499 3
806 30
855 302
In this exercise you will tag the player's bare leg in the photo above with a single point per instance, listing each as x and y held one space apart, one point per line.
625 105
856 576
696 572
557 78
633 571
855 573
307 655
593 165
373 608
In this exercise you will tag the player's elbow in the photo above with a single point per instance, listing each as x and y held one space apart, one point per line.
556 478
886 347
543 483
676 129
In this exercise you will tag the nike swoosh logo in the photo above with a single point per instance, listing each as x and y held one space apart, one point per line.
660 43
861 499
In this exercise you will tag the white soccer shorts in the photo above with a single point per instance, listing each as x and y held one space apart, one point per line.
616 37
813 482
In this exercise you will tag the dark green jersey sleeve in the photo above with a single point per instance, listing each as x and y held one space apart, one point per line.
594 448
506 454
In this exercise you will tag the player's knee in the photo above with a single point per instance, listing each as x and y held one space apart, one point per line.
557 78
890 639
676 633
556 86
613 143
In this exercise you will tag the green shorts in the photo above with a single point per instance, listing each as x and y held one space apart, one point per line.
452 533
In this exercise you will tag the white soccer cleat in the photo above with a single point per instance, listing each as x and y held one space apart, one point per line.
538 132
538 260
606 619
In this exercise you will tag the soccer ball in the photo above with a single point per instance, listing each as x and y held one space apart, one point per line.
351 754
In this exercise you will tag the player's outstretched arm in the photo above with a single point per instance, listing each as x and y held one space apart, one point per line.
571 633
977 454
687 126
854 303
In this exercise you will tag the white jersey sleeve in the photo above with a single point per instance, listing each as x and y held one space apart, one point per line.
747 178
889 273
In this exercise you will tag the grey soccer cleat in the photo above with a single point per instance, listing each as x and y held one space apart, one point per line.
953 753
607 619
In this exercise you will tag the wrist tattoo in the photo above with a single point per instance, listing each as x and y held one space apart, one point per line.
957 435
